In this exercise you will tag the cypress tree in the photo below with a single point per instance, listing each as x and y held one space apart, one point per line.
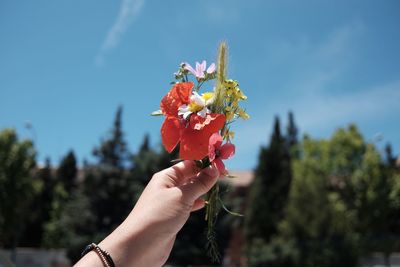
67 172
64 191
390 159
269 191
113 151
292 136
145 163
107 181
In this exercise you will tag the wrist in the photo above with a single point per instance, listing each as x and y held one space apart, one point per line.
132 245
120 244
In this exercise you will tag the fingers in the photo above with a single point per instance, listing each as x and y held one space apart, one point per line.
200 185
179 174
198 204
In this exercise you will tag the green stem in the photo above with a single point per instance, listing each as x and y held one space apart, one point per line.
199 85
212 209
228 210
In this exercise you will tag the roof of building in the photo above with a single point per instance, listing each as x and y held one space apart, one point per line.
240 178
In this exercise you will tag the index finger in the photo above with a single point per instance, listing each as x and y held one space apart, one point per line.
179 174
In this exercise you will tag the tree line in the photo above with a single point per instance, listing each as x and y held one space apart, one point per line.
322 202
313 202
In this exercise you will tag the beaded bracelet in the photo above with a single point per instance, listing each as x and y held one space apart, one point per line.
104 255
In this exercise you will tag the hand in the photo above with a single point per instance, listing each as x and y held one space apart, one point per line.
147 235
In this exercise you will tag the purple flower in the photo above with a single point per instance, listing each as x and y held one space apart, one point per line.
200 70
211 68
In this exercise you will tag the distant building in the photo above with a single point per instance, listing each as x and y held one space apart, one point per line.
240 178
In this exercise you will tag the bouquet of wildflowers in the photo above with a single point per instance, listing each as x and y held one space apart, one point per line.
200 122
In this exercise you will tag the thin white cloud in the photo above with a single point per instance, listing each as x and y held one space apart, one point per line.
319 113
322 110
305 58
317 68
340 41
129 11
325 63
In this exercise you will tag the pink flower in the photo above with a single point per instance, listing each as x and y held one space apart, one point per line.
200 69
218 152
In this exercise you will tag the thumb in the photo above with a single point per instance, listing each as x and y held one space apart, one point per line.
200 185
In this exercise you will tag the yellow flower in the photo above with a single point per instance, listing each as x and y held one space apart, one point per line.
235 103
229 92
240 95
242 114
229 113
233 91
230 84
194 107
207 96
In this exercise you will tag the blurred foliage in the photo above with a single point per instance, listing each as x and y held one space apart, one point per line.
55 231
67 173
317 202
268 196
106 191
39 206
343 204
17 188
317 219
270 188
275 253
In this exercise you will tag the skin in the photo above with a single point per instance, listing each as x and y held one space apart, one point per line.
147 235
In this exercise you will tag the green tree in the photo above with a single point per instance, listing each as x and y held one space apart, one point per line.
393 219
144 164
375 185
17 161
75 228
67 172
64 190
106 182
104 197
317 220
113 151
342 201
40 206
365 180
292 136
269 192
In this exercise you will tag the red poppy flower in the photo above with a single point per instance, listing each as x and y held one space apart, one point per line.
193 134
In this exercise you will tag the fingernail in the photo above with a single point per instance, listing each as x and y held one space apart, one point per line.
211 171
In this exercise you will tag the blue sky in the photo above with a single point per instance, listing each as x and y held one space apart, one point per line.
65 66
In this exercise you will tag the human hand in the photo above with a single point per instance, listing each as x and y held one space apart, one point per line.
147 235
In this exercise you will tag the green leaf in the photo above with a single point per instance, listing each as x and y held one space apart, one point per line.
229 211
